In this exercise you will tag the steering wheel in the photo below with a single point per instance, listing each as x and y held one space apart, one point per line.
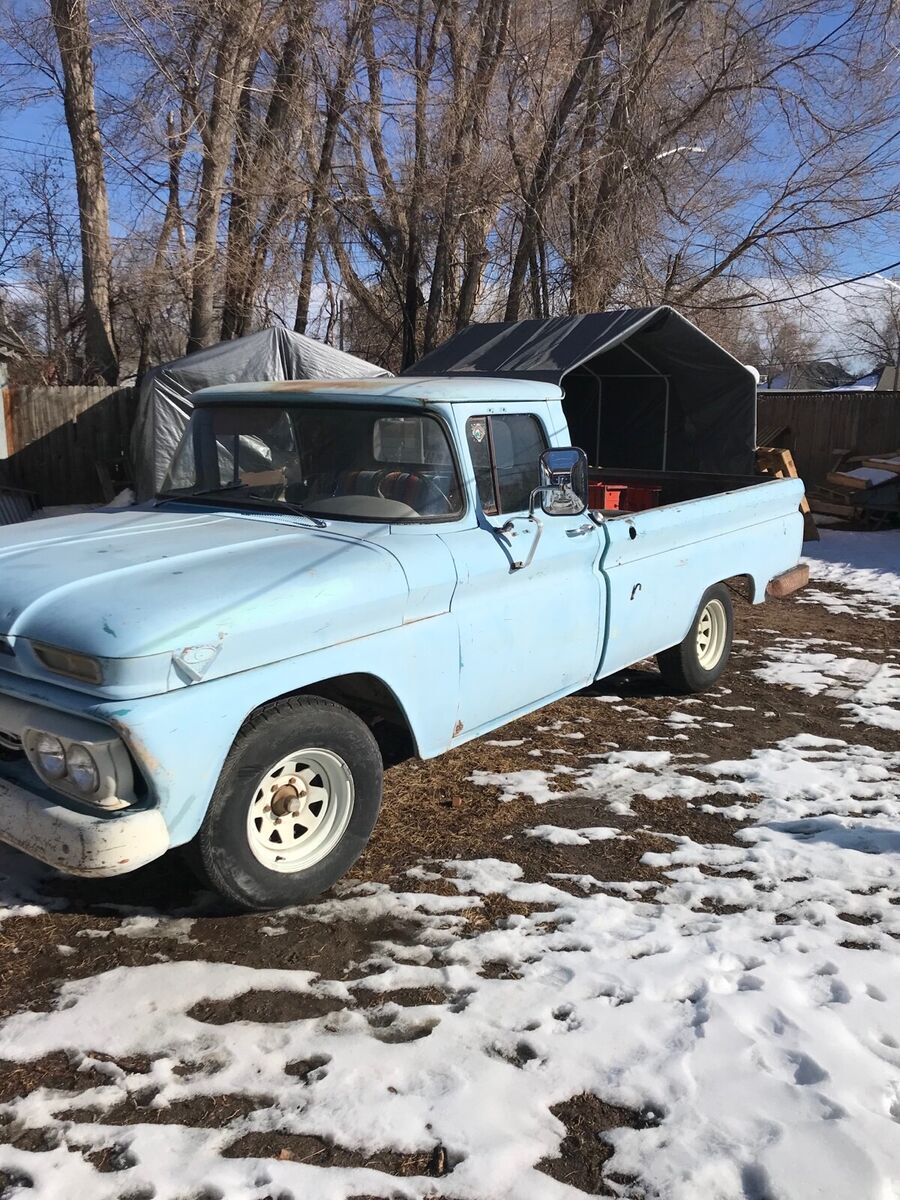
422 479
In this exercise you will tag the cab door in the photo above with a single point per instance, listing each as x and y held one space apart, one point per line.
531 633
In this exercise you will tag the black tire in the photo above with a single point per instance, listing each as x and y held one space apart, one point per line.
681 667
221 852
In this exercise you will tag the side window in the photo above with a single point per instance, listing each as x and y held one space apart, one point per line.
506 451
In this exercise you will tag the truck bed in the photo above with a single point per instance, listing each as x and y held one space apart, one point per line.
676 486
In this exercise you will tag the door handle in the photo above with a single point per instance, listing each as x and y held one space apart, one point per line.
580 530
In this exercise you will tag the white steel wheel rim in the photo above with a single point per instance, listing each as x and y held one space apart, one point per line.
712 628
300 810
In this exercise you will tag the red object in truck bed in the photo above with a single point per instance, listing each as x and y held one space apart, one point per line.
622 497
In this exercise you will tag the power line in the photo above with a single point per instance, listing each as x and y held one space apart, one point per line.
825 287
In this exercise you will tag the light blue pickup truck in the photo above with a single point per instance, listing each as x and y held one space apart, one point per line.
333 570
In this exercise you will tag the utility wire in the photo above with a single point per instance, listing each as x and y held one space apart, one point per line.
825 287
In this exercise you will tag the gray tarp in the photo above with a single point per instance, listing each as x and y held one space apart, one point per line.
164 405
644 387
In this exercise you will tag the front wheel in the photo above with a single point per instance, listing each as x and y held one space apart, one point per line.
700 659
294 807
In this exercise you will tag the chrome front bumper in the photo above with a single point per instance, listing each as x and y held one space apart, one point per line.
76 842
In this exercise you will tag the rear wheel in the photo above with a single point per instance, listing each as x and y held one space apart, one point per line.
294 806
700 659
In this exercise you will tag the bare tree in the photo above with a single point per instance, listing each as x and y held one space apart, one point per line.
386 171
236 46
876 330
73 36
265 185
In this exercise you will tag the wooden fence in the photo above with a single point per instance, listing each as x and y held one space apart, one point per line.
57 438
822 423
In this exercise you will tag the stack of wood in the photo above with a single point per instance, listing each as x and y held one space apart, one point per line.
779 463
861 487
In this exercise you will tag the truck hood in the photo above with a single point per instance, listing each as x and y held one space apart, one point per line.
220 592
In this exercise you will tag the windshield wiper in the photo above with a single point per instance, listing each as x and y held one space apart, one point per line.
260 501
276 505
222 487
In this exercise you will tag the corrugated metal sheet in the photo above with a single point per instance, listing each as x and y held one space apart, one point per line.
15 505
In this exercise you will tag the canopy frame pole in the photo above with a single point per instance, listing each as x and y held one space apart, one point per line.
590 370
647 363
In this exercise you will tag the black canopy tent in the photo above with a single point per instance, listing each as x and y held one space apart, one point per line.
644 387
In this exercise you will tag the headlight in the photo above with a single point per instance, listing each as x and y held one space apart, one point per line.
90 766
51 756
82 769
67 662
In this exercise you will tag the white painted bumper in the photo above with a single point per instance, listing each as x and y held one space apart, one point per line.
79 843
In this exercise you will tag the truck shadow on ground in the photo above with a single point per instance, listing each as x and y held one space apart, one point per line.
166 887
631 684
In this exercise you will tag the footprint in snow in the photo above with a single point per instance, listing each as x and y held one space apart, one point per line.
566 1016
386 1028
806 1070
749 983
840 993
616 992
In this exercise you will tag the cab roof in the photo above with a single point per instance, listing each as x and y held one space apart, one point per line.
408 390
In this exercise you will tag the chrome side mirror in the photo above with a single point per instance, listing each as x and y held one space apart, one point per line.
564 482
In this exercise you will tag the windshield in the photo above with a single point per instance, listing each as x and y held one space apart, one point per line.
364 464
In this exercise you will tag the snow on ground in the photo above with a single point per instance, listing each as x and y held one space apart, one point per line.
743 1002
868 691
734 1004
867 564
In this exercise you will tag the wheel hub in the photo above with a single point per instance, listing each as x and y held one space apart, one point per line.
300 809
287 800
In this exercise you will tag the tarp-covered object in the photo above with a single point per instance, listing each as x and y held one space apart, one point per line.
644 387
164 405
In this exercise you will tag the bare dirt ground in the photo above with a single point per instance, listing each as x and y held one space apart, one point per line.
432 811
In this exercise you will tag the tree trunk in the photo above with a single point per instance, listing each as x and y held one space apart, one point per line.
335 99
476 91
425 53
235 49
539 184
262 159
73 37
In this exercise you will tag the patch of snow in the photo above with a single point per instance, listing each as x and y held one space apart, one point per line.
560 835
512 784
123 499
869 691
866 564
871 476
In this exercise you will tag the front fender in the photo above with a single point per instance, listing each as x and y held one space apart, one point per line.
181 739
